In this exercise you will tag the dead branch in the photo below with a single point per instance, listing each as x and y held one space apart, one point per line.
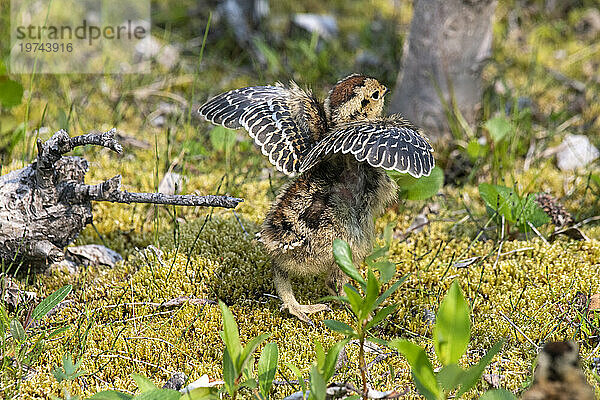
44 206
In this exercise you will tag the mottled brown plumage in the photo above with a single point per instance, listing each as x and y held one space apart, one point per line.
558 375
337 148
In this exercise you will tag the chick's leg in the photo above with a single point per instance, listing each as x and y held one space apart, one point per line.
285 292
336 281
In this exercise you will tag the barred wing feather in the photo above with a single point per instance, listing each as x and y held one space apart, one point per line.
391 143
274 116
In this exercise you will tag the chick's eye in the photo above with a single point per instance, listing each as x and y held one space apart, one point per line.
375 95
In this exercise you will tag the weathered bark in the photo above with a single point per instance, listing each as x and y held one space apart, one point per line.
446 50
44 206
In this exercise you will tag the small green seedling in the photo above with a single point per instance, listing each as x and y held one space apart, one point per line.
69 370
237 371
149 391
22 343
451 336
323 369
504 202
365 307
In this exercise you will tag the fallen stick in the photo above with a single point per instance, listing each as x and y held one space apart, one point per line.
44 206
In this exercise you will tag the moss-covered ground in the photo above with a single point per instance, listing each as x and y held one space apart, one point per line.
523 290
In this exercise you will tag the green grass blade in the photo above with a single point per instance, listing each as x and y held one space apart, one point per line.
50 302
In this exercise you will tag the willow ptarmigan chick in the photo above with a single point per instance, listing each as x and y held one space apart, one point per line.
339 150
558 375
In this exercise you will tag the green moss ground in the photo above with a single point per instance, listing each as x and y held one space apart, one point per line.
114 322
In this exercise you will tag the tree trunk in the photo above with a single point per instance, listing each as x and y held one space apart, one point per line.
446 50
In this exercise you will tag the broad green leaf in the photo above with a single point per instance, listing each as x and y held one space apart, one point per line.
381 315
498 127
379 252
372 293
59 374
221 138
354 299
17 331
50 302
249 349
421 368
388 233
390 290
159 394
319 355
340 327
331 359
70 368
111 395
11 92
318 386
249 383
473 374
422 188
530 211
343 258
201 393
516 210
267 367
231 335
229 372
143 383
298 375
387 270
248 370
450 377
452 329
500 199
403 180
498 394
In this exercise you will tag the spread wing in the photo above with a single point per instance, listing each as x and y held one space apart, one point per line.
392 143
284 122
